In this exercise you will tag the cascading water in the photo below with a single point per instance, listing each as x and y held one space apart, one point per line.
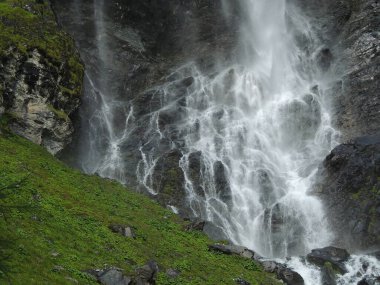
261 128
257 129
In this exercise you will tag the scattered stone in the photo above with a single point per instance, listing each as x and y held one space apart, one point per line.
58 268
54 254
147 274
335 256
241 281
123 230
110 276
233 250
173 273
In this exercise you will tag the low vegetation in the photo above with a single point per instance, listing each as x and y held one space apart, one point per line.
55 224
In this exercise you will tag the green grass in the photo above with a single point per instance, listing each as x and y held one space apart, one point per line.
54 216
26 25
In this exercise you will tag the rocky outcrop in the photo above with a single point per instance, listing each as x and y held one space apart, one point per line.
37 106
351 192
40 76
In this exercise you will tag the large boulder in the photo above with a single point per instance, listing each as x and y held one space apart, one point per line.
350 191
329 255
289 277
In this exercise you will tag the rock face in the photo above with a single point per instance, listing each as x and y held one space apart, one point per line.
351 192
40 75
358 104
38 109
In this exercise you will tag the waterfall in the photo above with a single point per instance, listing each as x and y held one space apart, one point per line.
250 133
261 126
258 128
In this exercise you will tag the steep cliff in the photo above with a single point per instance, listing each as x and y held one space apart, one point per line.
349 178
40 73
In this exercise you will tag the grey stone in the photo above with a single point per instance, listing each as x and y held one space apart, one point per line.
289 276
114 277
233 250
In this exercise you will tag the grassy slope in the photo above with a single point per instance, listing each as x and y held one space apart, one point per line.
62 216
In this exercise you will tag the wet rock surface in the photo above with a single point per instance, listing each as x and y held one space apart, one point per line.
142 42
350 192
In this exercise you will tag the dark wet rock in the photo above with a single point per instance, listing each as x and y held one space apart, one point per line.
289 276
335 256
350 191
196 225
222 185
147 274
123 230
233 250
168 181
241 281
173 273
324 58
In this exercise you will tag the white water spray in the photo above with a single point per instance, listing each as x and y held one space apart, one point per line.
262 128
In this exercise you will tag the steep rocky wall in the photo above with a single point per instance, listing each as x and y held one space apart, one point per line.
358 106
349 178
142 42
40 74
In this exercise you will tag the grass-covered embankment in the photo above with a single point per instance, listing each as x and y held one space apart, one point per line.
56 222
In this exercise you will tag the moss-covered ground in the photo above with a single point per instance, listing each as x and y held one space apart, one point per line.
54 224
